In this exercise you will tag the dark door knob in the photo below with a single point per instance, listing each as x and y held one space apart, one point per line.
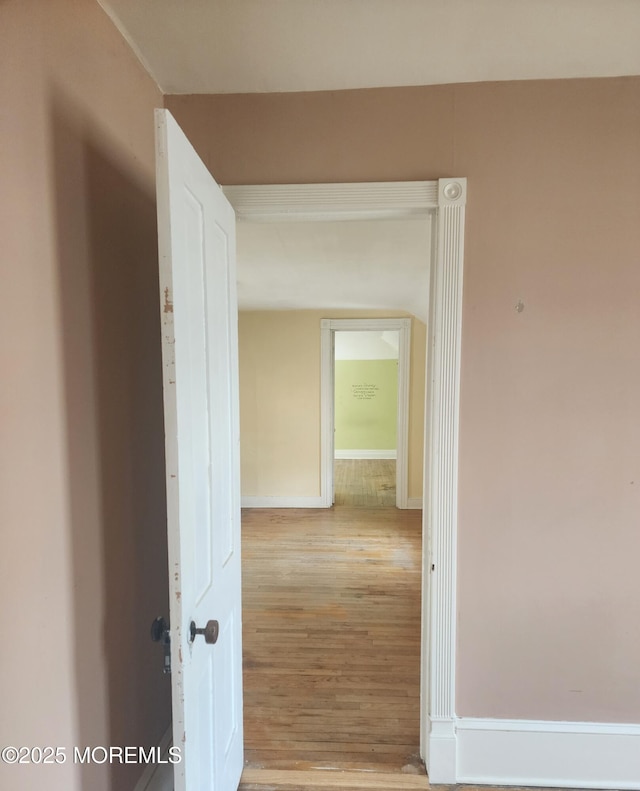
210 631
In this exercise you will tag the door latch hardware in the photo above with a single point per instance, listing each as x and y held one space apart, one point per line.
210 632
160 634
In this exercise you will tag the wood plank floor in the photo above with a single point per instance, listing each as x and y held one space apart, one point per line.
331 633
365 482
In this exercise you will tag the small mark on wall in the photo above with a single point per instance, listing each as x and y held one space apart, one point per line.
519 306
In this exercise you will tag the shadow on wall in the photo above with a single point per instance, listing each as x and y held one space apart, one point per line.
109 304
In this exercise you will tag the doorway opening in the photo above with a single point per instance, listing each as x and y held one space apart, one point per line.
365 383
365 398
332 596
442 202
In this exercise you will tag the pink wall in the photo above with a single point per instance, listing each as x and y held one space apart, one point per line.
83 561
549 595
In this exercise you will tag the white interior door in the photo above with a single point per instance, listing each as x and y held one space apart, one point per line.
196 229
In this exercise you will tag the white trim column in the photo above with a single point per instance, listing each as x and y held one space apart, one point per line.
326 413
441 476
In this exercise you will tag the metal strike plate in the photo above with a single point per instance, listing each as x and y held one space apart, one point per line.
160 634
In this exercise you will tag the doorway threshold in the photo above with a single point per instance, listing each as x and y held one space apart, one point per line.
329 780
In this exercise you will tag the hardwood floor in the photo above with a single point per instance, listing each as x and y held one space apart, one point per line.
365 482
331 635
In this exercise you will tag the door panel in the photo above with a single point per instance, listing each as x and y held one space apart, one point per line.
196 230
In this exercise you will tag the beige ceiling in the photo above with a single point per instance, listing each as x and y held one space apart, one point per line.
246 46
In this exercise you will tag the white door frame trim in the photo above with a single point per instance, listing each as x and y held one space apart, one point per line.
327 416
445 200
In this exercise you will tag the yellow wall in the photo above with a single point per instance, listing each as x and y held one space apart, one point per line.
280 400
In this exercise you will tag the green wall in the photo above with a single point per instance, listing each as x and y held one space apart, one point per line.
366 403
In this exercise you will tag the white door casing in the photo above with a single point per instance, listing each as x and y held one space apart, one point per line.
196 231
445 201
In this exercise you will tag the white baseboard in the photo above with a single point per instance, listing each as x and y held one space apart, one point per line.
282 502
559 754
414 502
364 454
158 777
